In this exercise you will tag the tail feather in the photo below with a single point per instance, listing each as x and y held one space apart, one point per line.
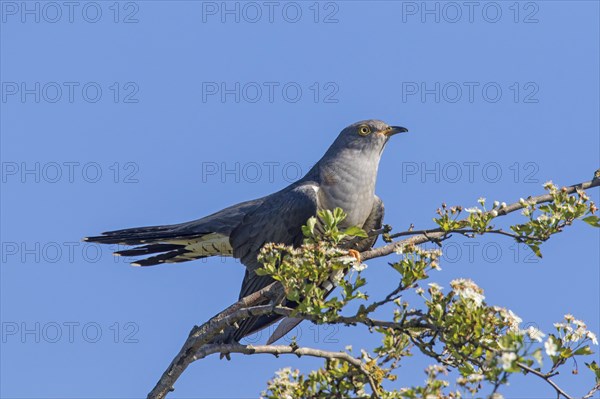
175 256
137 230
171 243
208 236
142 235
286 325
148 249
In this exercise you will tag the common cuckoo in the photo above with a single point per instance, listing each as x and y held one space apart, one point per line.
344 177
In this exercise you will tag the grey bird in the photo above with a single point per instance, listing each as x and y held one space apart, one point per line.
343 178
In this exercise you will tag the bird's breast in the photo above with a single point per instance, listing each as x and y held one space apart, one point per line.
349 189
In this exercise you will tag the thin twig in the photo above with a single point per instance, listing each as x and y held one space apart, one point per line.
592 391
546 378
431 234
287 349
357 319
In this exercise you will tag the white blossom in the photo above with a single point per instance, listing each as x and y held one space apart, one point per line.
285 378
551 347
563 326
576 335
284 372
436 253
436 369
467 289
548 185
470 293
535 334
571 334
579 323
435 266
475 377
435 286
509 318
514 317
359 267
569 317
507 359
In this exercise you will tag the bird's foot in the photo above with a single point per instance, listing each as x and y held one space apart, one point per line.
355 254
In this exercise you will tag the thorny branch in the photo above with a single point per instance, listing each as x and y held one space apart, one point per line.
198 344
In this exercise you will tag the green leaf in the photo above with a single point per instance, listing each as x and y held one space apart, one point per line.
437 311
293 295
309 229
536 249
355 232
566 353
327 217
466 369
339 214
595 368
592 220
586 350
261 272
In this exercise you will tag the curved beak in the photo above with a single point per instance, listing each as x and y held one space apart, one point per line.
394 130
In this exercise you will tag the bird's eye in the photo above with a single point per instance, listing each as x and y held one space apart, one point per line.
364 130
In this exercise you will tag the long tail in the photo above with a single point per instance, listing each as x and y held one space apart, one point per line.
137 235
170 243
201 238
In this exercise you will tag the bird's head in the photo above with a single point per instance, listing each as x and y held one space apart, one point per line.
357 150
369 135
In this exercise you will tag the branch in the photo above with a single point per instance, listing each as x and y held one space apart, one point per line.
198 345
436 234
546 378
358 319
249 306
204 334
592 391
277 350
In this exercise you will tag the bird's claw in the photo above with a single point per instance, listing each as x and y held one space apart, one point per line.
355 254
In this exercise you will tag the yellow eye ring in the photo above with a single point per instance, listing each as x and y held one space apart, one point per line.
364 130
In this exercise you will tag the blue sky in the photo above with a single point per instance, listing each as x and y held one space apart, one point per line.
136 113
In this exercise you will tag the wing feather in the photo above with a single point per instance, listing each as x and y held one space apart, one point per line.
279 219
